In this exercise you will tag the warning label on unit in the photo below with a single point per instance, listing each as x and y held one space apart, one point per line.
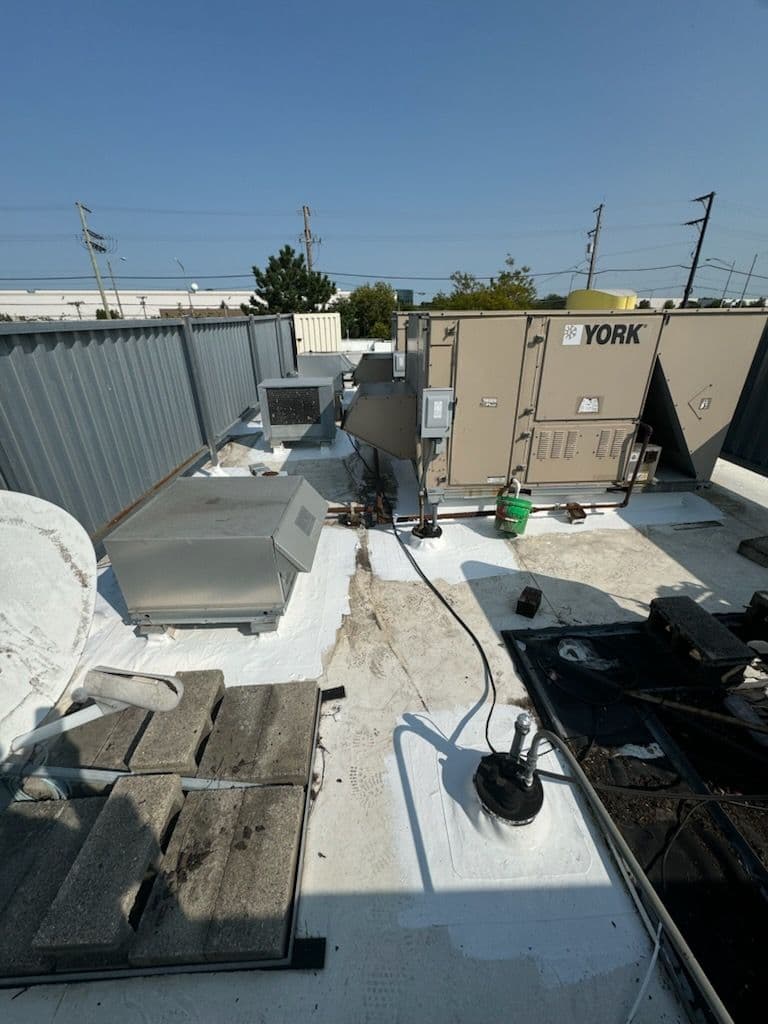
572 334
489 403
589 405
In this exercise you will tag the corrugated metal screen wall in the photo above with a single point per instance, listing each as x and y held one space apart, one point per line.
747 439
95 415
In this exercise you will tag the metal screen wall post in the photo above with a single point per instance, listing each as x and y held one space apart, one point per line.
251 328
198 388
279 343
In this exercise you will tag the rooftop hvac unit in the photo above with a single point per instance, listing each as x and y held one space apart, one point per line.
562 403
220 549
298 409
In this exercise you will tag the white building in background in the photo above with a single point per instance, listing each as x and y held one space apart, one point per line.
74 304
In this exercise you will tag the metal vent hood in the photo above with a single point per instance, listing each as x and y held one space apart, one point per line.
217 549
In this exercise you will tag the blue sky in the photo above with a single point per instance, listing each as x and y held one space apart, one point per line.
426 137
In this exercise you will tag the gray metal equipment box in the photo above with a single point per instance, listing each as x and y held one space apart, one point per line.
220 549
298 409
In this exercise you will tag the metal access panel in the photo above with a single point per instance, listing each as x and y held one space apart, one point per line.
704 359
488 365
217 549
384 415
596 367
298 409
569 452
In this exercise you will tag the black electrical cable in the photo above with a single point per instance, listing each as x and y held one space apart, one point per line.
671 842
483 656
362 458
464 626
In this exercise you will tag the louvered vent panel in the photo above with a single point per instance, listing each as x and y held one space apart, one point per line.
570 444
558 438
603 444
618 441
544 440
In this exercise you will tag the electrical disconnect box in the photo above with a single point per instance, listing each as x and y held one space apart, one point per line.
298 409
217 549
647 469
436 412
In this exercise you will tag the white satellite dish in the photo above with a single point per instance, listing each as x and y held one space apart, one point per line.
47 596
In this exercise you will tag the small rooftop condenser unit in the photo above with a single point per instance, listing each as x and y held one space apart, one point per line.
215 550
298 409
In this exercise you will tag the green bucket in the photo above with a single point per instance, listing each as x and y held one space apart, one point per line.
512 513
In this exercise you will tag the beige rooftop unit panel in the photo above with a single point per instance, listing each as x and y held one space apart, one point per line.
596 368
489 360
703 363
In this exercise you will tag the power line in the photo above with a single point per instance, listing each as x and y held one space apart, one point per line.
346 275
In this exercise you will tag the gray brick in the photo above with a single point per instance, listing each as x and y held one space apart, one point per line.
103 743
38 845
263 734
24 831
171 739
175 921
252 916
90 913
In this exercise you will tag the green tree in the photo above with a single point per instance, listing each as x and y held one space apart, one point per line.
370 310
286 285
5 318
644 304
343 307
669 304
101 314
512 289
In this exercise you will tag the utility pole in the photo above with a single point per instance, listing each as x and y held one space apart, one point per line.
308 238
143 304
92 243
114 285
701 224
594 235
748 278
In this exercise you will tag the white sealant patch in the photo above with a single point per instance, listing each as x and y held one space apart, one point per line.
277 457
294 651
466 551
546 892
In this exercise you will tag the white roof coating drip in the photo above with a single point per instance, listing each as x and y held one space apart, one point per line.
466 551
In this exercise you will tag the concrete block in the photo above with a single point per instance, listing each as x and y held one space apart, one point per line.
24 831
90 913
175 921
38 845
252 916
263 734
171 739
103 743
